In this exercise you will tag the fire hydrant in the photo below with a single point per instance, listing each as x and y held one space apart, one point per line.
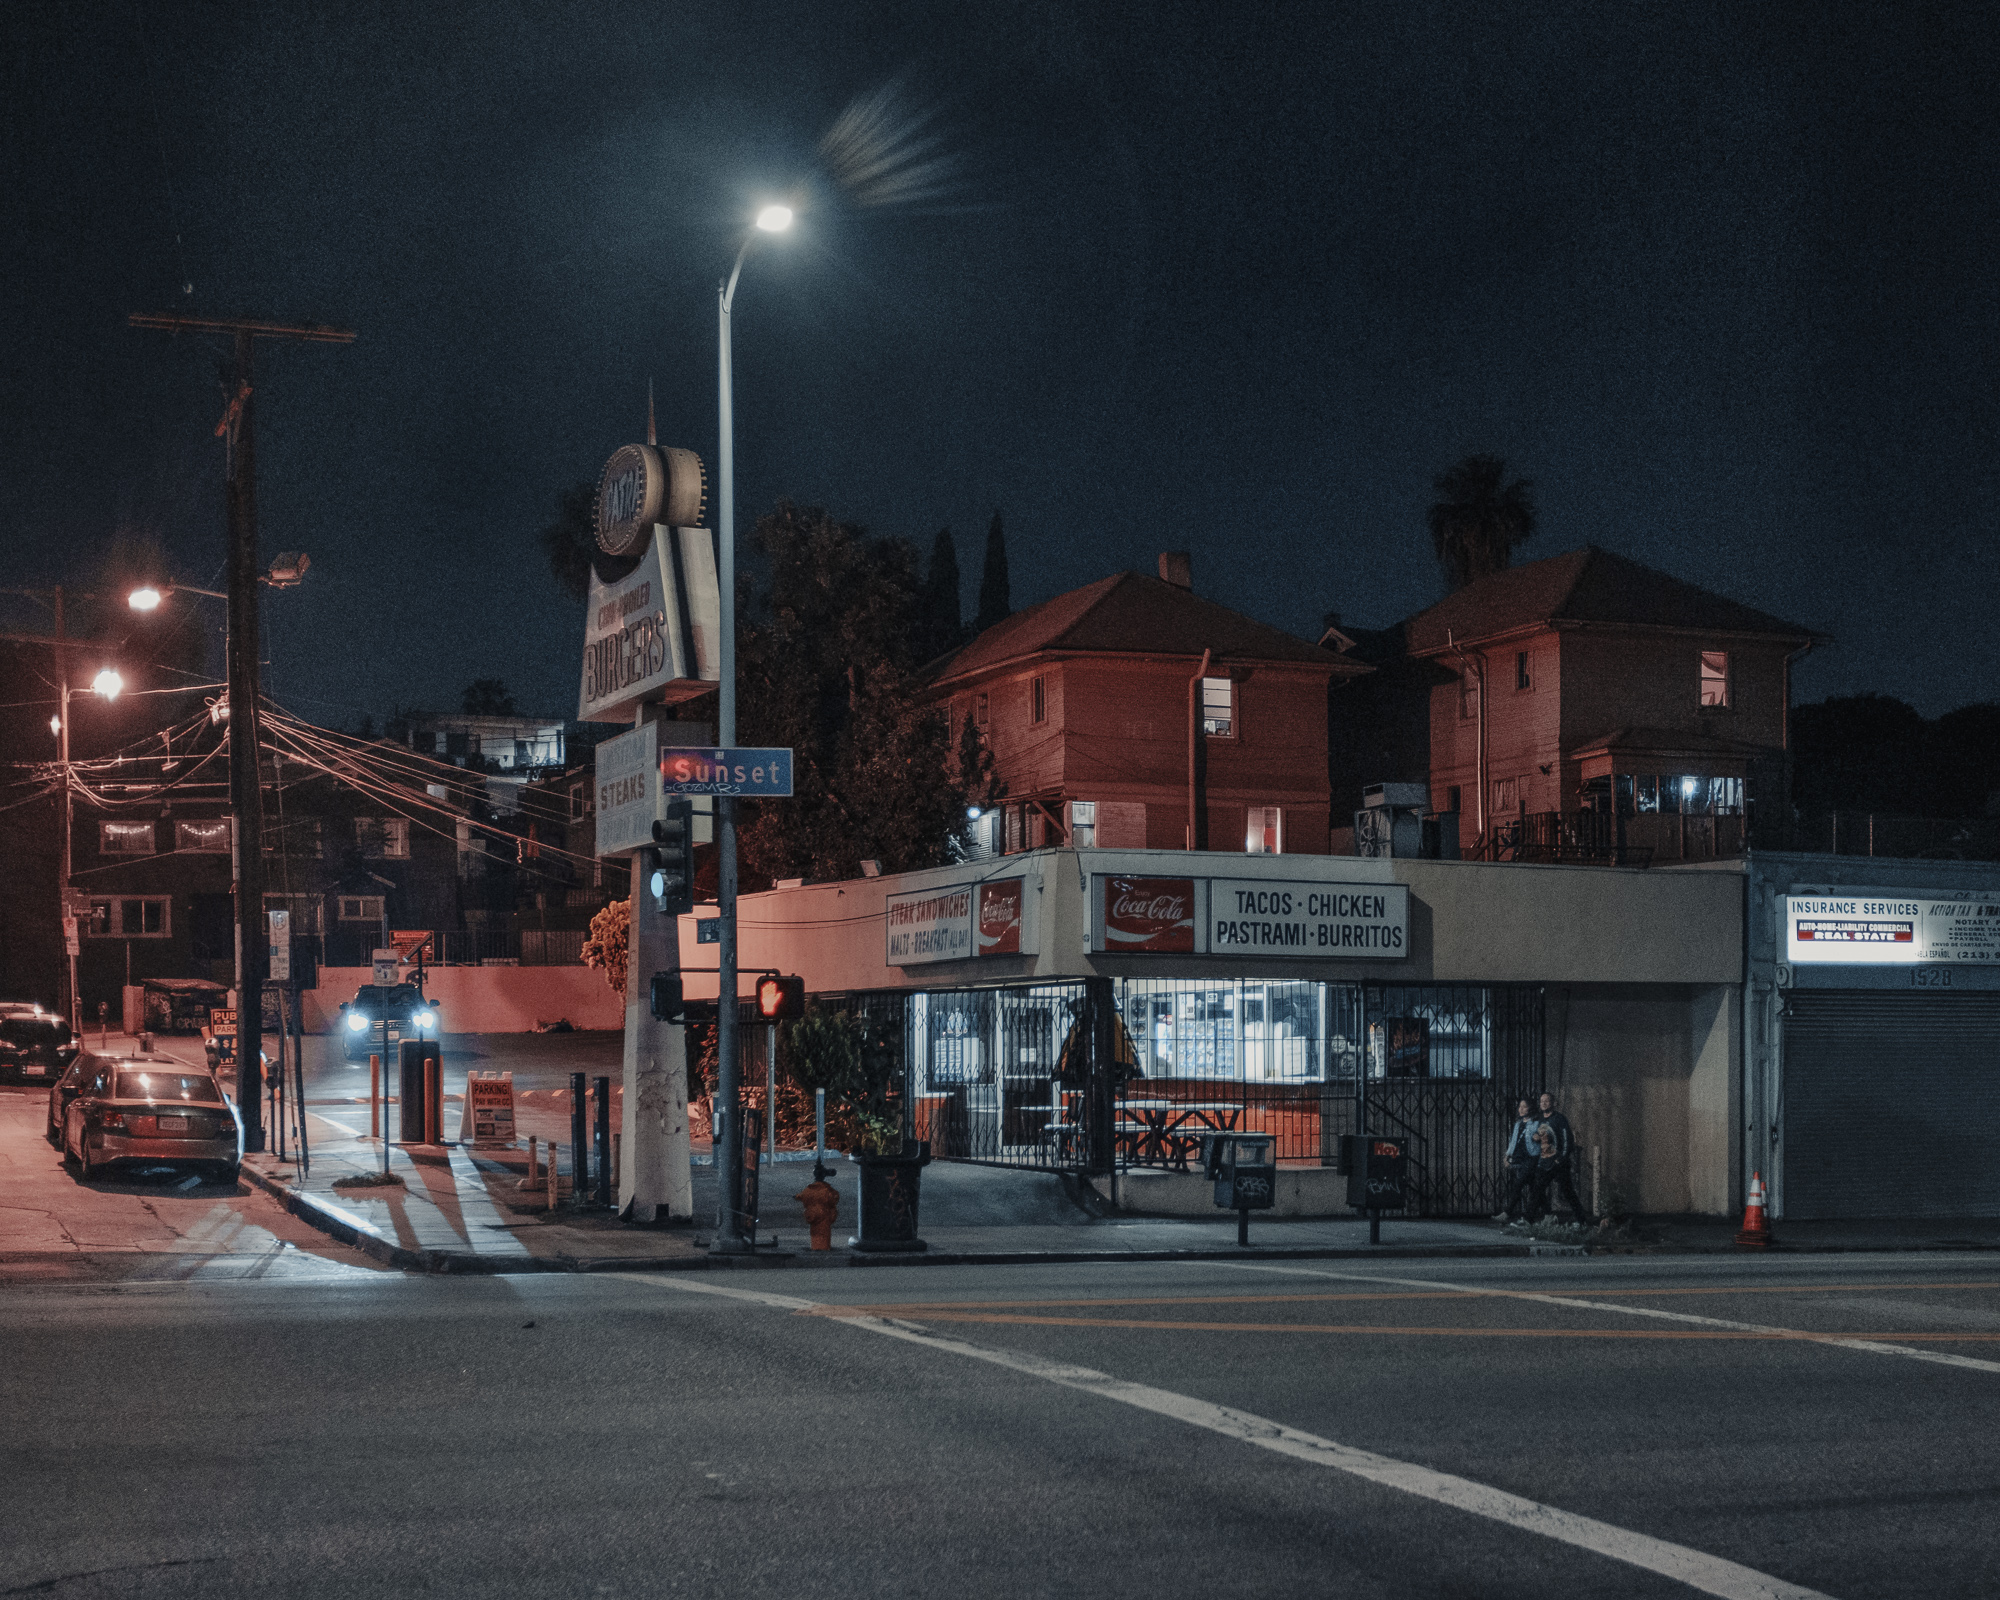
821 1200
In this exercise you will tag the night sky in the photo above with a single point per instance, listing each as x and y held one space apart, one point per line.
1719 279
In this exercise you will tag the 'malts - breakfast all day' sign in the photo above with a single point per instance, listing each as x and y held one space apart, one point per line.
1889 929
957 922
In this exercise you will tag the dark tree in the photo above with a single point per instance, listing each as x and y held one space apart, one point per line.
994 606
570 541
946 623
1479 519
1962 774
488 697
1858 752
829 655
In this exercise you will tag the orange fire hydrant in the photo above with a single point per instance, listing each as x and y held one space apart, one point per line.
821 1200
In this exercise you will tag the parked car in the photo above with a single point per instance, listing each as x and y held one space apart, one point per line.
153 1112
409 1015
35 1045
64 1089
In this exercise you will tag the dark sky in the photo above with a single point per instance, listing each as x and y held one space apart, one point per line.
1719 279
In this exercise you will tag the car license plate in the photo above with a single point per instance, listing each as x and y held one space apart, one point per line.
33 1071
173 1124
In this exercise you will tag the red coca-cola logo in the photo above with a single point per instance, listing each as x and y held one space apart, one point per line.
1149 914
1000 918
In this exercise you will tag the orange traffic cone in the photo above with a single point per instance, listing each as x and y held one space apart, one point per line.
1756 1232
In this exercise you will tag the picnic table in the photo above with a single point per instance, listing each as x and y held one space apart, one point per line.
1166 1133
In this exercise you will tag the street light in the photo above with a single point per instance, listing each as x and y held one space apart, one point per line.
729 1200
145 599
107 683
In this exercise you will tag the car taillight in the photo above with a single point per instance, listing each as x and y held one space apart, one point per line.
106 1118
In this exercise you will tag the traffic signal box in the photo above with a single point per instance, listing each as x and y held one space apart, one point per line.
1377 1170
780 999
668 1002
670 861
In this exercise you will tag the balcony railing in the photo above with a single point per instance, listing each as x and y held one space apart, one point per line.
1591 838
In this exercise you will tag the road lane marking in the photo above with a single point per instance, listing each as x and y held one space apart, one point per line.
1021 1319
893 1308
1695 1568
1871 1346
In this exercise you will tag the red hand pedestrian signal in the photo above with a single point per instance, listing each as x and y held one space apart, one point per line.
781 999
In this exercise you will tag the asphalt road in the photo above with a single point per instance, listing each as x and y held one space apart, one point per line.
1611 1426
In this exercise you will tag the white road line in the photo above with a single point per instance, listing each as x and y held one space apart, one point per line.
1695 1568
1874 1347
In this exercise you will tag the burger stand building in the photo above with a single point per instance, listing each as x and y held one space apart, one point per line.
1091 1010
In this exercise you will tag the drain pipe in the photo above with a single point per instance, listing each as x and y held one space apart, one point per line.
1479 755
1194 746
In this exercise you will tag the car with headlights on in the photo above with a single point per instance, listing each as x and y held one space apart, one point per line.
35 1045
146 1111
402 1005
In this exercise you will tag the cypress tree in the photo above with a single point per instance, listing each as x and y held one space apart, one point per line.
941 605
994 605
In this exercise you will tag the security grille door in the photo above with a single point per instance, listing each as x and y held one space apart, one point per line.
1891 1105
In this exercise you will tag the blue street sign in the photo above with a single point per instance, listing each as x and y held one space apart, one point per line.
739 772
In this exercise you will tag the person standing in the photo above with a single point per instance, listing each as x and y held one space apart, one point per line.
1520 1156
1556 1168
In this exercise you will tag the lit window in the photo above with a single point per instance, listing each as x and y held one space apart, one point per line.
1218 707
1715 677
1082 820
125 838
360 908
1041 704
1265 835
203 835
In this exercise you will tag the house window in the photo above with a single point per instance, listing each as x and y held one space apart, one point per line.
1468 694
1506 796
125 838
1218 708
383 838
1647 797
299 837
979 711
1082 819
579 801
1265 835
360 908
1715 677
133 917
1522 680
1452 797
202 836
1041 704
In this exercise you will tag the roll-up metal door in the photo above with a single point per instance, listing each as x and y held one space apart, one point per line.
1892 1105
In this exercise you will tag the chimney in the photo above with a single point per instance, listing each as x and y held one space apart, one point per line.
1177 568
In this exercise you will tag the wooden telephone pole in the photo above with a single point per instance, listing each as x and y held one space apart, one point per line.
245 730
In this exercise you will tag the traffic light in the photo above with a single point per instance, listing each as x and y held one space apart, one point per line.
670 860
780 999
668 1006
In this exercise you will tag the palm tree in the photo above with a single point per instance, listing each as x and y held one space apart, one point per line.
1479 518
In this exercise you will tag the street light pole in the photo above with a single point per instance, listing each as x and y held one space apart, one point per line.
727 1139
68 813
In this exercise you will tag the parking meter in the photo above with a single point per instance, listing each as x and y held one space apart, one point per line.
1244 1169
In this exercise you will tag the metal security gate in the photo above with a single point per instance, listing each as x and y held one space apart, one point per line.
1445 1065
1891 1104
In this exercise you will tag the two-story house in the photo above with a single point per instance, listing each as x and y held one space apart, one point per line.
1583 707
1133 713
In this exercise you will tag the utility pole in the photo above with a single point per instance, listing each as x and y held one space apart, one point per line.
245 786
75 1007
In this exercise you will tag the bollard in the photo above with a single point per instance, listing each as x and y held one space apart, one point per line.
617 1139
374 1097
579 1135
549 1176
534 1179
602 1141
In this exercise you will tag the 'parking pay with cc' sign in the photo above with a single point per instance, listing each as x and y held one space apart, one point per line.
739 772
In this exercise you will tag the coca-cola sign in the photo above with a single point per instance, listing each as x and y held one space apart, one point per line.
1148 914
1000 918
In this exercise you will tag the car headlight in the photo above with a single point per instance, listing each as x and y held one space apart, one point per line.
356 1021
427 1019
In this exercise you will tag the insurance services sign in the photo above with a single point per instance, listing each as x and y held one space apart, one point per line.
1883 928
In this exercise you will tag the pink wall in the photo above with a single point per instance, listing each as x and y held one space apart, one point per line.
486 999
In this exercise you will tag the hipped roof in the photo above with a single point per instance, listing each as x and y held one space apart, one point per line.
1130 613
1586 587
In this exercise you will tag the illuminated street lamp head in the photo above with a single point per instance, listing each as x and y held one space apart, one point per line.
775 219
107 683
55 724
144 599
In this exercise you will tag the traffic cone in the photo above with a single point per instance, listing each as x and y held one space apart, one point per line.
1756 1232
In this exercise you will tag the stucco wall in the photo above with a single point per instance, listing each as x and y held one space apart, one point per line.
485 999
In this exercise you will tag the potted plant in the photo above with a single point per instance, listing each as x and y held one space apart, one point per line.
860 1066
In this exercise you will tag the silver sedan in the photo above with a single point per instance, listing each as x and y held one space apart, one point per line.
148 1112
